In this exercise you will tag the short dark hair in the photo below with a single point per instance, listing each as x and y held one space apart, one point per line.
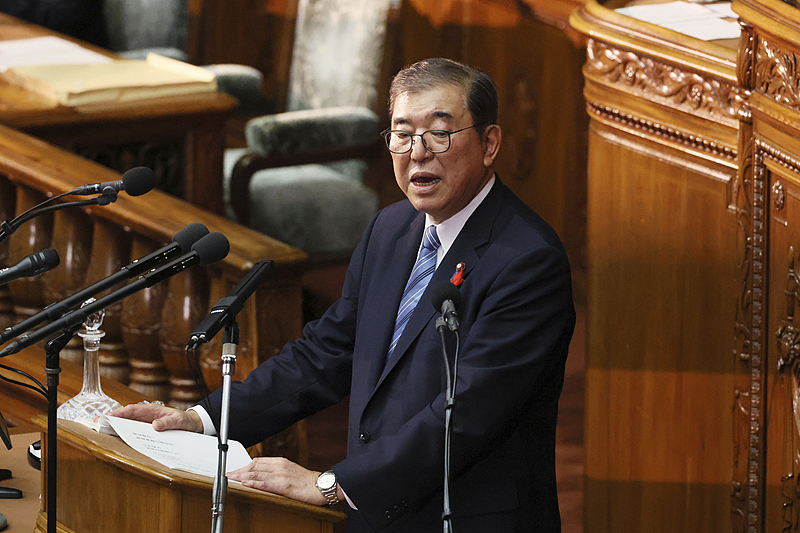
478 87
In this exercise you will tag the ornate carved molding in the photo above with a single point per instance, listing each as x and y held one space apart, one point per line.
667 133
755 469
684 90
743 205
744 62
777 74
792 164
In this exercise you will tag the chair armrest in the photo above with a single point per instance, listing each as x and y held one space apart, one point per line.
301 138
250 163
312 130
240 81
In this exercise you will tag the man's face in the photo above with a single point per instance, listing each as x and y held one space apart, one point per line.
442 184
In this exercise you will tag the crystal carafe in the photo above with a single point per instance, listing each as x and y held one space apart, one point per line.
90 401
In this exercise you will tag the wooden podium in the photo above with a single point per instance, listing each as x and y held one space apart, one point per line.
693 357
104 485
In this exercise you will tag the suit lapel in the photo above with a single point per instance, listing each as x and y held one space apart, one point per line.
387 299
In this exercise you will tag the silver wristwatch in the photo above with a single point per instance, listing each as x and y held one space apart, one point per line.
326 483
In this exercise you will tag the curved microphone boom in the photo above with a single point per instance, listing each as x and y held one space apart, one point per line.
33 265
209 249
446 298
135 182
182 243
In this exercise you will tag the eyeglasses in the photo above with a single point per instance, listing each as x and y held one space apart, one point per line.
434 141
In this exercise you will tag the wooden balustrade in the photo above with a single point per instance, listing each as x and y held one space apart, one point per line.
145 334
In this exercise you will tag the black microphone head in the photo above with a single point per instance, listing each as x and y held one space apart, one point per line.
138 181
45 260
445 291
189 235
212 248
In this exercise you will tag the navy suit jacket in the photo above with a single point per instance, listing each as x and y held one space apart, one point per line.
517 319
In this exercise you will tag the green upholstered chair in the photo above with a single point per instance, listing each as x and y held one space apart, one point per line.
300 179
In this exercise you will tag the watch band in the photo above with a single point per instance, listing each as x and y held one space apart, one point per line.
329 491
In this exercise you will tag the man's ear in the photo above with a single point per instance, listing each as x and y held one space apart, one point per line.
493 136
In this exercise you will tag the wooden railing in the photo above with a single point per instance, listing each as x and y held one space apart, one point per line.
145 334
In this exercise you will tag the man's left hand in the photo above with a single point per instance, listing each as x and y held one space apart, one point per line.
280 476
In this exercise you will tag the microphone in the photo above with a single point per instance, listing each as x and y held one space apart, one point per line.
227 308
209 249
135 182
181 243
446 298
33 265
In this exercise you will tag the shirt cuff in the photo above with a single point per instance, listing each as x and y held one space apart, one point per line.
349 501
208 424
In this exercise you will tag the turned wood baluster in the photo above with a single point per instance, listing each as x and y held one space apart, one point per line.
7 201
111 250
185 306
72 239
33 236
141 324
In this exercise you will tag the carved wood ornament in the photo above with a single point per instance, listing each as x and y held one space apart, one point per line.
659 81
684 91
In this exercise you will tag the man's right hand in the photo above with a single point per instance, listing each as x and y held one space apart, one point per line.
161 416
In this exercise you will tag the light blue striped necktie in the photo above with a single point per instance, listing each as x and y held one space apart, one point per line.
420 276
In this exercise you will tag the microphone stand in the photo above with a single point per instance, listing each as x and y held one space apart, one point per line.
441 327
230 341
52 368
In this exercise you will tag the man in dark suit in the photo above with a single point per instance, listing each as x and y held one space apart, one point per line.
516 315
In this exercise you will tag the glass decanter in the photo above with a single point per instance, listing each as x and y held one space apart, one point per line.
90 401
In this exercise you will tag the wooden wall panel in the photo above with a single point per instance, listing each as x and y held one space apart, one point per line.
661 239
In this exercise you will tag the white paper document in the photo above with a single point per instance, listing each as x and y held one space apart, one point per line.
47 50
701 21
182 450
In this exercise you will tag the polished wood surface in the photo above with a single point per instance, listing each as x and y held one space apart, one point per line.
104 485
768 463
31 170
663 286
181 138
693 374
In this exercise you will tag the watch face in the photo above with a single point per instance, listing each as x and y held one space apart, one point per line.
326 480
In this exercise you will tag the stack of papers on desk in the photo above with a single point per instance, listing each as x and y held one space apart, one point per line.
75 78
707 22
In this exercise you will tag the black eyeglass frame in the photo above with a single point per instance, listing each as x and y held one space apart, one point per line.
387 132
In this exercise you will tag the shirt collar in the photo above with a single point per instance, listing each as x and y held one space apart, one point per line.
449 229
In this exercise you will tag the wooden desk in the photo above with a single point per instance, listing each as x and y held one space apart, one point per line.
180 138
104 485
664 259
